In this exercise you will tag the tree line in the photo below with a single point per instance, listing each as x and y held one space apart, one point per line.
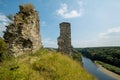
110 55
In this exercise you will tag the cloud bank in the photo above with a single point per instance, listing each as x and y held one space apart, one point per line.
109 38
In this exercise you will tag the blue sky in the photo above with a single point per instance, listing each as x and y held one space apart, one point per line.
93 22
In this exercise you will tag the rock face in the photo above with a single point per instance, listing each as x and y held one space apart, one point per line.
64 40
24 33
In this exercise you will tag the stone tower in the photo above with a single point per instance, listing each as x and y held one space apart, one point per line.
64 40
23 34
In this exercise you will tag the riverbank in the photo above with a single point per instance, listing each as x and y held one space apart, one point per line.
110 73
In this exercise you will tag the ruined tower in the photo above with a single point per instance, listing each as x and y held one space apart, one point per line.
64 40
24 33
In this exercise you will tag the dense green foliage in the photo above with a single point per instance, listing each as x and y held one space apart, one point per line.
3 50
76 56
43 65
109 67
110 55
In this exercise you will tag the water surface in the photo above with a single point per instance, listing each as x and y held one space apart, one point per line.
93 69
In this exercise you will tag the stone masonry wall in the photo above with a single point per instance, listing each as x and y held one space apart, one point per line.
24 33
64 40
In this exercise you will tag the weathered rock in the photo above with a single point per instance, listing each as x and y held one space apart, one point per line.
64 40
24 33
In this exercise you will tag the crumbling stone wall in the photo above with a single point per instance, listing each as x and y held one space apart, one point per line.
64 40
24 33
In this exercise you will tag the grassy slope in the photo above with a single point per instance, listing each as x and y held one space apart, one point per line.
43 65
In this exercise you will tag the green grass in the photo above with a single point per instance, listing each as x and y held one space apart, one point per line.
109 67
43 65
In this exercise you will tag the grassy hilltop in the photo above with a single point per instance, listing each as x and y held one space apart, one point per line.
45 64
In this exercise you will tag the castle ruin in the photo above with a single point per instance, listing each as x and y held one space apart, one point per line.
24 33
64 40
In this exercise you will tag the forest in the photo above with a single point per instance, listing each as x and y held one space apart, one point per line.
108 55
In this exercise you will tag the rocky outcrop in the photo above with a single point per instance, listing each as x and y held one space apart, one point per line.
24 33
64 40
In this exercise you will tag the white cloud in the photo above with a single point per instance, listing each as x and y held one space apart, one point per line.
3 18
111 32
64 12
3 22
109 38
48 42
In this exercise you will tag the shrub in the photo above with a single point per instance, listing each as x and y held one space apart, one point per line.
77 56
26 8
3 49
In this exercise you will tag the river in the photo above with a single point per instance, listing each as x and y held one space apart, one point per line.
94 70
